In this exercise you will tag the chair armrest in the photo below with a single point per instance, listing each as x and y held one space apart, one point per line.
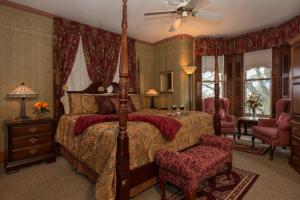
231 118
267 122
224 143
178 163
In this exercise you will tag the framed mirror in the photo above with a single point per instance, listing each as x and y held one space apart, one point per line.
166 82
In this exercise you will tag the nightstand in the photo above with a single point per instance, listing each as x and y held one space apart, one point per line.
29 142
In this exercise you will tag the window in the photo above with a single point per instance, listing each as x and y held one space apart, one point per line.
208 75
257 76
258 81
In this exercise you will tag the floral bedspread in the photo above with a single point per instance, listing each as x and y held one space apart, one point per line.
96 147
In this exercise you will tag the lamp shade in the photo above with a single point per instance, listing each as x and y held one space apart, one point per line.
151 92
189 69
22 91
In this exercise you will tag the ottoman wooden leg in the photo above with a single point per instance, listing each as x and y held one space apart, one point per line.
190 195
162 185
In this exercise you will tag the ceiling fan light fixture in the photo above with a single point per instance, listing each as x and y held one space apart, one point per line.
184 14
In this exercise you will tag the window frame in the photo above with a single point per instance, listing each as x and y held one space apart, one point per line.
221 79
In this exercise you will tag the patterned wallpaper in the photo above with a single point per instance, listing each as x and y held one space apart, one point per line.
172 55
25 56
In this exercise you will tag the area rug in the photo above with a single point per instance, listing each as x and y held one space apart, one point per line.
246 146
223 186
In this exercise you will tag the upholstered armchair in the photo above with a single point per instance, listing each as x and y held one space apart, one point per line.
275 132
228 122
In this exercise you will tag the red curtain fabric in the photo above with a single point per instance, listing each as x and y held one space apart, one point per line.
101 51
66 38
264 39
134 85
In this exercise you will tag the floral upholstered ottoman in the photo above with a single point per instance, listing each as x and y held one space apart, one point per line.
187 169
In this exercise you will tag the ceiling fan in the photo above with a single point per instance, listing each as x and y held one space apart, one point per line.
186 8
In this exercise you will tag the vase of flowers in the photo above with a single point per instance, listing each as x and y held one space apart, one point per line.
41 109
254 103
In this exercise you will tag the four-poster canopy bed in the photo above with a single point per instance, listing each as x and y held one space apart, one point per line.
127 177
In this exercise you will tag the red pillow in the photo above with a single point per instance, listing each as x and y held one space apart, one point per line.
130 108
105 106
284 121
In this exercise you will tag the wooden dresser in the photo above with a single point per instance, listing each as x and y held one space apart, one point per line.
29 142
295 133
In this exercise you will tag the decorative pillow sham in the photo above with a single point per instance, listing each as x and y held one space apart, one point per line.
89 104
116 103
105 106
137 101
284 121
75 103
65 101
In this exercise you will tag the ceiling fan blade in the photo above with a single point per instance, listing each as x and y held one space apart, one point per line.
202 14
161 12
175 25
192 3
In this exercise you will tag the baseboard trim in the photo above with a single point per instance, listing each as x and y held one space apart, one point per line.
2 156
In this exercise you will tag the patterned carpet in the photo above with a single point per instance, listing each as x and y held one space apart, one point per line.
223 186
246 146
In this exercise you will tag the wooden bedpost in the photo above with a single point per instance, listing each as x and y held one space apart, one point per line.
122 156
217 118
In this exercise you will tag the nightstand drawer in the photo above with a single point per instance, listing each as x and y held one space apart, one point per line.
38 139
296 129
30 152
29 130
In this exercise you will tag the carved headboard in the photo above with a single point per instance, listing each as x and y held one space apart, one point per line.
96 88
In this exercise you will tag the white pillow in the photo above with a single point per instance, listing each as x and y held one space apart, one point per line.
65 101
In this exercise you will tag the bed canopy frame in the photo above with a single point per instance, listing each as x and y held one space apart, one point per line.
127 178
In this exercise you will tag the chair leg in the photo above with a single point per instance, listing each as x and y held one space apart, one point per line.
272 149
162 185
229 167
253 143
190 195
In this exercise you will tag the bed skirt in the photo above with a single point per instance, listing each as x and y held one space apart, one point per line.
83 169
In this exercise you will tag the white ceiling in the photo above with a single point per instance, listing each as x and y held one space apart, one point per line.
240 16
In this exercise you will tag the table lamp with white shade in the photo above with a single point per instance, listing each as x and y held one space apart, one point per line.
22 92
152 93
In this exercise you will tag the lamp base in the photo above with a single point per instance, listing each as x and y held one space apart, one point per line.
22 116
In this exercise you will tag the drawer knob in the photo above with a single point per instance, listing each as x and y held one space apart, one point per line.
32 140
32 129
33 151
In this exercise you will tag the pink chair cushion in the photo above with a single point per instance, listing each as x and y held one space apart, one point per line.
284 121
267 132
227 124
222 114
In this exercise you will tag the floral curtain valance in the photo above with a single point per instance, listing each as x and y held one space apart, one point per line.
264 39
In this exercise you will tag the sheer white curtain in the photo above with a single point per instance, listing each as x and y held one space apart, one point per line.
79 78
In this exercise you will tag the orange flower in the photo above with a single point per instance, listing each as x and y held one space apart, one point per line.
38 105
45 105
